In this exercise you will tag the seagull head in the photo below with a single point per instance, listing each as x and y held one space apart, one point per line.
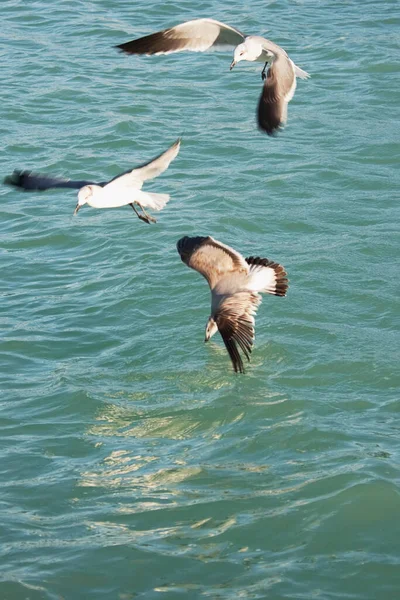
251 49
211 328
239 54
84 196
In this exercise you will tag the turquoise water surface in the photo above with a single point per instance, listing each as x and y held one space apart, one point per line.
134 463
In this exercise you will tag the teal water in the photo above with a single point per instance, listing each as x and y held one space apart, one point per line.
133 462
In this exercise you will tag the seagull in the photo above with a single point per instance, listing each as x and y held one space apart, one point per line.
235 284
121 190
200 35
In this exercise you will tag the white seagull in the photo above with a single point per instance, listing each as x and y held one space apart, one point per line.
235 283
121 190
204 34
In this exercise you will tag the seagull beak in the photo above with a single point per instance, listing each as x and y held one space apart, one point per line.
233 63
77 207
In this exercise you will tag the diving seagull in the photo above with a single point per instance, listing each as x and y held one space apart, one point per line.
204 34
119 191
235 284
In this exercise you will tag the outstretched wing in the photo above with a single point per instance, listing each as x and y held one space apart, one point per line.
278 90
149 170
211 258
27 180
266 276
198 36
235 320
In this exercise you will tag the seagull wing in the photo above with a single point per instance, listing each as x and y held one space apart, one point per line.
234 316
149 170
198 36
235 320
27 180
278 90
211 258
266 276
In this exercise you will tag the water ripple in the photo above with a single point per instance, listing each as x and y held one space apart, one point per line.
134 462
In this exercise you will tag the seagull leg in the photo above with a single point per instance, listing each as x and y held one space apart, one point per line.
149 217
141 217
263 75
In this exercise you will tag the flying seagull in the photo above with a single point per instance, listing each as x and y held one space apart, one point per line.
121 190
204 34
235 283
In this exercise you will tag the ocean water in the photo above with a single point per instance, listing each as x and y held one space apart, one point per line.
133 462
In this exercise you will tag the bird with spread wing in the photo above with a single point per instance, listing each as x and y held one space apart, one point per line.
236 284
201 35
124 189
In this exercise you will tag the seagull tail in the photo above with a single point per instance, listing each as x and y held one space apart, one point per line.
267 276
153 200
300 73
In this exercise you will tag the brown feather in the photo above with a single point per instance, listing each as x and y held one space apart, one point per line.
154 43
210 258
272 106
234 318
198 35
269 106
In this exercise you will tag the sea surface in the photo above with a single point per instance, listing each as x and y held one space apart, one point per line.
134 464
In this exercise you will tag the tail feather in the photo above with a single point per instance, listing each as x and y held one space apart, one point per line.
267 276
152 200
300 73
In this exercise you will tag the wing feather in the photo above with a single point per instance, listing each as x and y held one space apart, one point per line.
234 355
27 180
149 170
267 276
211 258
235 320
278 90
198 35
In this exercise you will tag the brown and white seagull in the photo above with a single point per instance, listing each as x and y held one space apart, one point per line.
205 34
235 284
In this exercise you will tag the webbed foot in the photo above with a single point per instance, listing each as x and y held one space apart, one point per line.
147 219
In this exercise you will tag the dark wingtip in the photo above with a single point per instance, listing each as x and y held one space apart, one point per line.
120 48
234 355
181 243
177 142
271 129
270 132
268 114
186 245
239 369
282 282
16 179
133 47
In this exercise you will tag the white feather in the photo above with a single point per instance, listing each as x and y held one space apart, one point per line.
112 198
153 200
262 279
300 73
